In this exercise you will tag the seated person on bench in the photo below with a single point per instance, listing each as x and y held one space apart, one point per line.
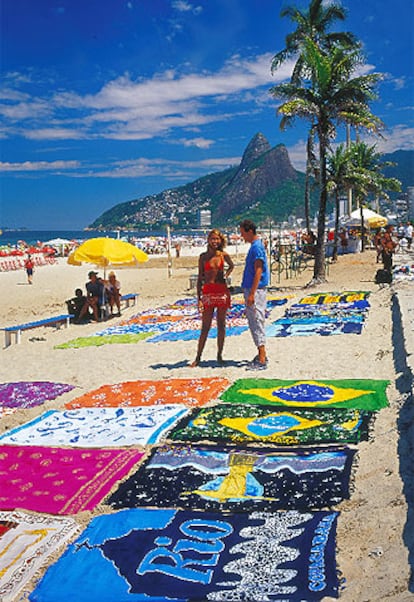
95 291
112 289
76 303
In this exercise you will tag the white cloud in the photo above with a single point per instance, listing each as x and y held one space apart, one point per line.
54 133
399 137
128 109
197 142
297 155
182 6
38 166
162 168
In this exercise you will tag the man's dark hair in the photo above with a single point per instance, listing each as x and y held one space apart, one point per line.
248 225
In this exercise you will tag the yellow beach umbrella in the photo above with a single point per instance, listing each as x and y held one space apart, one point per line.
105 252
371 219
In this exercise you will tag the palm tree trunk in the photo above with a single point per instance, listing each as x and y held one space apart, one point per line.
335 247
361 209
307 196
319 268
309 146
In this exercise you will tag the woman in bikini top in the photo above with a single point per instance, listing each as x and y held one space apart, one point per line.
212 291
213 268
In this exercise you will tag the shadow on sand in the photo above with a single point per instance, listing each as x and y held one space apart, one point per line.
203 364
405 425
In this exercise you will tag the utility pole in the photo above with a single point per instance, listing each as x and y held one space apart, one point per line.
349 191
169 260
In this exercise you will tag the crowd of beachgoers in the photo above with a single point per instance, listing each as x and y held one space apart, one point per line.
13 256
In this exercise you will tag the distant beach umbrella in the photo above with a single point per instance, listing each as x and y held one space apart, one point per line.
107 252
371 219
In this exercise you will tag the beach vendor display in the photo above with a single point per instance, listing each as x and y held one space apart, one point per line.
214 267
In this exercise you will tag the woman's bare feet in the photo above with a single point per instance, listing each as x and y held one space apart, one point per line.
195 363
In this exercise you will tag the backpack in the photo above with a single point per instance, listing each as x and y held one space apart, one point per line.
383 277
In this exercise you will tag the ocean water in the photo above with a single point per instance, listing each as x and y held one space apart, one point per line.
31 237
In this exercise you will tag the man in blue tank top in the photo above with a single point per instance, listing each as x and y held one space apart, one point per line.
254 283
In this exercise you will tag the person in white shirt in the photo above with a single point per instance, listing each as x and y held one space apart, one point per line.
408 234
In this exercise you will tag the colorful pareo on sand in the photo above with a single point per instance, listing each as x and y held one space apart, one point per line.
60 481
97 427
189 391
192 335
323 326
177 322
94 341
239 423
240 479
323 314
26 542
363 394
332 309
158 555
28 394
332 298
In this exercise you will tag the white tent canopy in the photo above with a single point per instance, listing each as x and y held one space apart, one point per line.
371 219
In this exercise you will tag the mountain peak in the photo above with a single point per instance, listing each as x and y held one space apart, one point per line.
257 146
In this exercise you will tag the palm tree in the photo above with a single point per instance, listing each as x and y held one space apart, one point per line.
313 24
366 177
328 97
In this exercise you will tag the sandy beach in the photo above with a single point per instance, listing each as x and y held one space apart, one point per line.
374 529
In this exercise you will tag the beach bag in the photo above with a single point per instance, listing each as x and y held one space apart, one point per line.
383 277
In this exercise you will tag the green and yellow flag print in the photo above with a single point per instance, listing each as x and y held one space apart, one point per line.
363 394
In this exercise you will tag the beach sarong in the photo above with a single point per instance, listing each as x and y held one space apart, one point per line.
98 341
343 297
215 295
189 391
28 394
242 423
154 555
332 309
193 335
97 427
60 481
363 394
221 478
26 542
305 327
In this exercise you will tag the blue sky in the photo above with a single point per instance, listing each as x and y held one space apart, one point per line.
104 101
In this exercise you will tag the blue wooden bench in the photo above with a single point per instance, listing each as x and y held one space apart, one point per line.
17 330
130 297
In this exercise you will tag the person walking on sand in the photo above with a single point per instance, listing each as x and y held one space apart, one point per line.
29 267
213 292
389 246
254 283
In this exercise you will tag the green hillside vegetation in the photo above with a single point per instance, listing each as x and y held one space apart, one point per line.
264 187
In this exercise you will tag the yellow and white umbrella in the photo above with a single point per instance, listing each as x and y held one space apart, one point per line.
371 219
105 252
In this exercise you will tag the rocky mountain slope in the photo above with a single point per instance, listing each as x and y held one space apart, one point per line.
263 187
